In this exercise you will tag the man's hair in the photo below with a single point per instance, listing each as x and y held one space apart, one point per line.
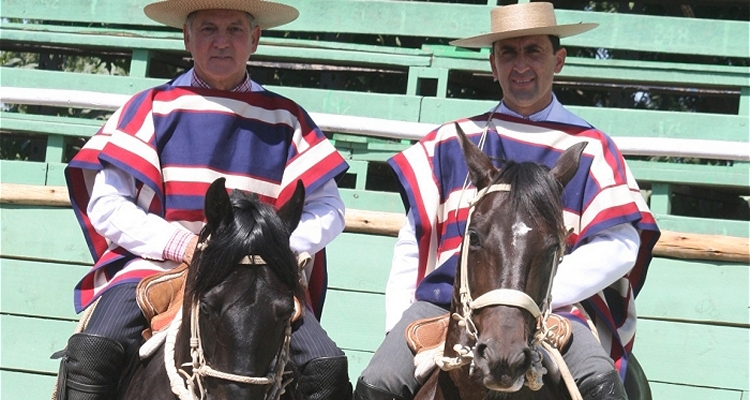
191 17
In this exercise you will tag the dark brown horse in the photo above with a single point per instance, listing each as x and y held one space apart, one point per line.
233 339
515 236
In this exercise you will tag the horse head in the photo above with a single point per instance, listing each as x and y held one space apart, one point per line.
514 237
240 295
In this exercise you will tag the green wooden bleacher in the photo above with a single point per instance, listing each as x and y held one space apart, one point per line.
694 326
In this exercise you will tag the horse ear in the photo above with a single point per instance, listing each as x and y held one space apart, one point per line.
480 166
217 205
567 165
291 212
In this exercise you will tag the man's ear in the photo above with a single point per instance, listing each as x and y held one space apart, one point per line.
255 35
186 37
560 59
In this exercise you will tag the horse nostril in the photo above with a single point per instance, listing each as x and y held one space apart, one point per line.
480 350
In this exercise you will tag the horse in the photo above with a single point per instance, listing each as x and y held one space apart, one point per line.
233 338
501 293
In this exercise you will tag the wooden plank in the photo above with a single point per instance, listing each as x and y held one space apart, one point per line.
693 354
669 391
687 35
27 342
355 320
709 292
703 226
42 233
613 121
737 175
23 293
359 262
25 385
22 172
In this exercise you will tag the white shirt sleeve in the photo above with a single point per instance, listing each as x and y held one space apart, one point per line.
114 215
596 264
402 281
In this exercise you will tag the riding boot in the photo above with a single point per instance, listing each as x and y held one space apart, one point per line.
606 386
326 378
90 368
369 392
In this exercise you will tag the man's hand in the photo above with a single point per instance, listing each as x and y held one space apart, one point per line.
187 258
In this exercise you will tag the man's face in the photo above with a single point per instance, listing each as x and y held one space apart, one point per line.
221 42
525 67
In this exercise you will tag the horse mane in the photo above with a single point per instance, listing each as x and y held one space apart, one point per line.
535 192
254 229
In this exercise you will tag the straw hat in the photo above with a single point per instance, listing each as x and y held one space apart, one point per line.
266 13
524 19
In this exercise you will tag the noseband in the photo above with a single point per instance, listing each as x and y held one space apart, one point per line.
497 297
185 385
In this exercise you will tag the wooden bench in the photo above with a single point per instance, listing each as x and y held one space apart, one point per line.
693 311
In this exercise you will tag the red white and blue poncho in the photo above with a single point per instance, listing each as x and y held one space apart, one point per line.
601 195
175 141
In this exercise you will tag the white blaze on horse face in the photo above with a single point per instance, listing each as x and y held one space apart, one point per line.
519 231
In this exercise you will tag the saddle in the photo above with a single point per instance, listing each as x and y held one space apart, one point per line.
160 298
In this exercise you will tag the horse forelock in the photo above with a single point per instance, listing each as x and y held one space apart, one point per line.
252 229
535 193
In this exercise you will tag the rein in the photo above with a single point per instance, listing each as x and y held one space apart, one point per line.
185 385
504 297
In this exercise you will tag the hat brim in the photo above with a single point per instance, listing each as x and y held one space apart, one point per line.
267 14
486 40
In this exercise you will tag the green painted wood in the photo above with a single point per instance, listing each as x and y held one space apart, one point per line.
372 201
668 391
709 292
704 226
355 320
358 360
24 385
359 262
27 343
610 70
613 121
737 175
23 293
693 354
687 35
25 172
49 124
42 233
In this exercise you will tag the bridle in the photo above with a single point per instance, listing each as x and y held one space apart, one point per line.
185 385
504 297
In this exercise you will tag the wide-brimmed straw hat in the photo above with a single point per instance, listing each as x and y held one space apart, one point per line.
525 19
267 14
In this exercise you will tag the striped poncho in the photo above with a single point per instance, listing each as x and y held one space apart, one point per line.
601 195
175 141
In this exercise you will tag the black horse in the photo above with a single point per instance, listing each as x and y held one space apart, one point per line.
233 339
503 281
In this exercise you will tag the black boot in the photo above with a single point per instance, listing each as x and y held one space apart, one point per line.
90 368
369 392
606 386
326 378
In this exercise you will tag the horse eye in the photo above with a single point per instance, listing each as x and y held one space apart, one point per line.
473 238
206 307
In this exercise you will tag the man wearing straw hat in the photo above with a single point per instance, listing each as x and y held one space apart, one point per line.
138 186
613 230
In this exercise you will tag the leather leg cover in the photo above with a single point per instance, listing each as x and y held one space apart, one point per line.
606 386
369 392
326 378
90 368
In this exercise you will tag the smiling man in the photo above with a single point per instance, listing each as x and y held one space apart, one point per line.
612 231
138 189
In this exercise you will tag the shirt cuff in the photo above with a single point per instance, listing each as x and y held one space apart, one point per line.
177 245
